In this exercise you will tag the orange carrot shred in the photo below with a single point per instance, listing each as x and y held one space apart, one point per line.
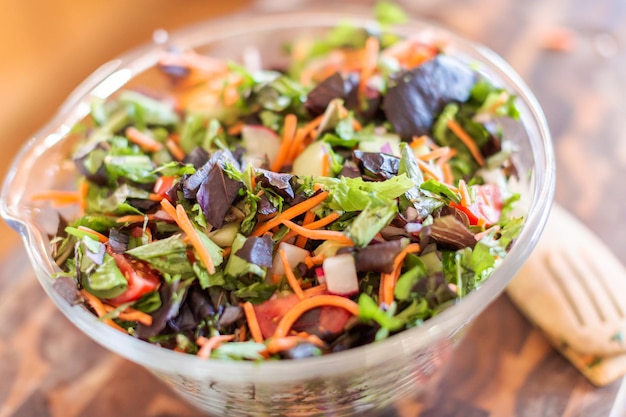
131 314
185 224
291 278
83 191
235 129
311 261
388 281
307 304
369 61
99 308
318 234
144 141
169 209
253 323
317 290
427 169
308 218
466 201
101 238
290 213
289 132
208 344
134 218
436 153
467 141
176 151
58 197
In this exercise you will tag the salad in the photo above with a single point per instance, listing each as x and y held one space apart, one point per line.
257 214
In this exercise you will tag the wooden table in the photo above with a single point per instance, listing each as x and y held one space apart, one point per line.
570 52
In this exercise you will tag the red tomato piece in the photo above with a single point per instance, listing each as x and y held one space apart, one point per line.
163 185
269 312
142 278
486 207
323 320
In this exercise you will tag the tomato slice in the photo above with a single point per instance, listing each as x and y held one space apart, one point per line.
141 277
163 185
269 312
323 320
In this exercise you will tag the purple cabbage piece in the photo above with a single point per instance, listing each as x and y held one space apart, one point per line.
450 232
377 165
335 86
257 250
280 183
216 195
378 257
417 96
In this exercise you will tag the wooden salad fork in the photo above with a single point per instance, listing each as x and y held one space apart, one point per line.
574 289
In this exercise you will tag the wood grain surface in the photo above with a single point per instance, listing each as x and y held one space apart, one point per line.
570 52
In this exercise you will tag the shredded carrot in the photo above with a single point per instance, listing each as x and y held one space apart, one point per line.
235 129
388 281
135 218
313 291
419 141
308 218
291 278
467 140
58 197
318 234
185 224
356 125
427 169
299 142
176 151
208 344
131 314
243 335
253 323
448 177
144 141
280 344
289 132
83 191
307 304
156 197
370 60
436 153
324 221
466 201
325 165
169 209
311 261
175 137
290 213
99 308
101 238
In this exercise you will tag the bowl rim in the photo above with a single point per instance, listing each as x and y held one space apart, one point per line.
160 359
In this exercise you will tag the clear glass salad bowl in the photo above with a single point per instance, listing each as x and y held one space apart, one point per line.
361 380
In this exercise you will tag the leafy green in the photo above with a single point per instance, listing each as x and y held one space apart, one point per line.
106 281
354 194
414 196
370 222
168 255
236 266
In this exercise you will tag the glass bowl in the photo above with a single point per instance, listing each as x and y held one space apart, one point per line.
361 380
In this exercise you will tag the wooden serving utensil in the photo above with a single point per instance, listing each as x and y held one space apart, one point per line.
574 289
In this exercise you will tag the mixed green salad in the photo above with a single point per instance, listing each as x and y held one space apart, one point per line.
252 213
